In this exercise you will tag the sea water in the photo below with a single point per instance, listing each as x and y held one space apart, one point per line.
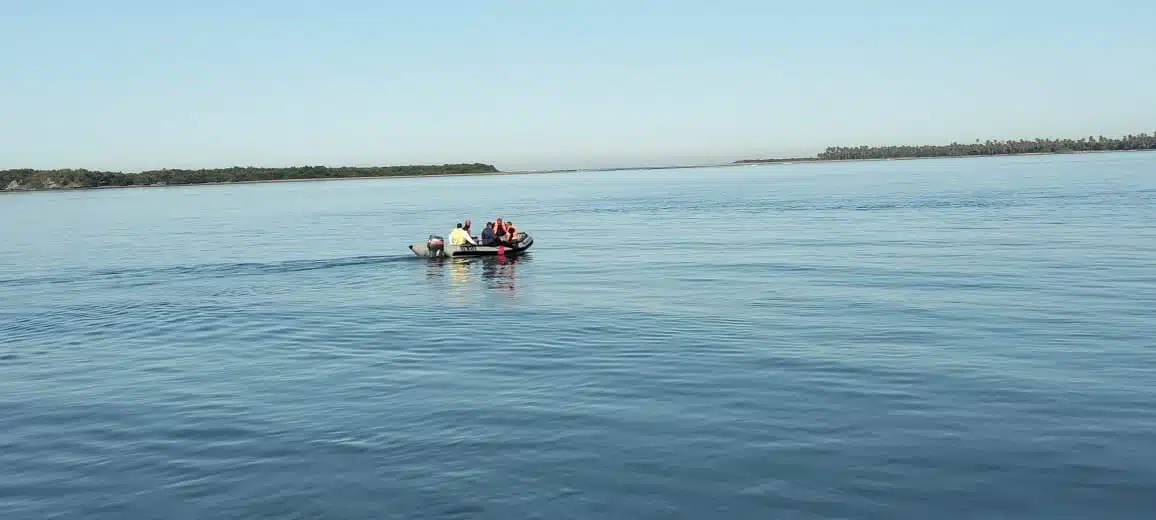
951 338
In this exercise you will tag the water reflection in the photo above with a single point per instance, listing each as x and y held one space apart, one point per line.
433 268
459 273
500 272
497 273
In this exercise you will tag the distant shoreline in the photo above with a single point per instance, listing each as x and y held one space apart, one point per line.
804 160
740 163
751 162
29 180
12 178
314 179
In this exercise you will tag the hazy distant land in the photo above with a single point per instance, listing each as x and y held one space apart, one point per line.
35 180
988 148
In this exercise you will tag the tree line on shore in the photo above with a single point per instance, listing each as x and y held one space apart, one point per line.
29 179
1009 147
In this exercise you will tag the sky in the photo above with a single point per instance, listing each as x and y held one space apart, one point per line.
139 84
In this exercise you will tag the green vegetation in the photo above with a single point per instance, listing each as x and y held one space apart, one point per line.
1086 144
26 179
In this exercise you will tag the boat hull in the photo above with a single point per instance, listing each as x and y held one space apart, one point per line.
449 250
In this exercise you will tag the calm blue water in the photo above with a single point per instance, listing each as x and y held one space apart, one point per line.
956 338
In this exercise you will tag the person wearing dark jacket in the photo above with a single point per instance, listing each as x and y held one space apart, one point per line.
488 238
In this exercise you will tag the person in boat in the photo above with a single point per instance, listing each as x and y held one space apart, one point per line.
459 237
499 230
488 238
466 227
511 234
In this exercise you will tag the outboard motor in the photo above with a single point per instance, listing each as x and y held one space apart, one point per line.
435 245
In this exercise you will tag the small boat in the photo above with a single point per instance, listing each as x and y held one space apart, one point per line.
436 246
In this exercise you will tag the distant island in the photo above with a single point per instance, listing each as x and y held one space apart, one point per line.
1023 146
33 180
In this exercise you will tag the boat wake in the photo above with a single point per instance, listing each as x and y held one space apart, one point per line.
142 275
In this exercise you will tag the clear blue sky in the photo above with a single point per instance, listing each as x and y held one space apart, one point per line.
137 84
